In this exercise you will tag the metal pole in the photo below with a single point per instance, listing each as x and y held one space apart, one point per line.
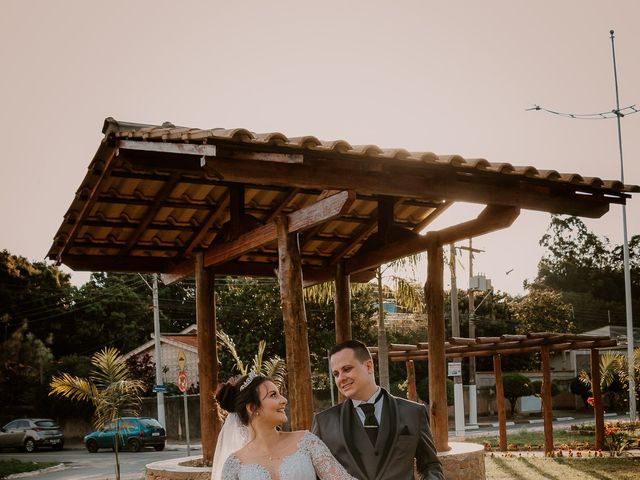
186 422
158 351
627 270
458 390
473 407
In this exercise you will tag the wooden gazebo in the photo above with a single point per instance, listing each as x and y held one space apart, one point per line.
184 201
542 342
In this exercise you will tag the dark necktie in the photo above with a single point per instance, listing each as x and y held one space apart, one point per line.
370 421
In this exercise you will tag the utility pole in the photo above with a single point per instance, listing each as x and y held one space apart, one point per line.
473 406
158 351
458 389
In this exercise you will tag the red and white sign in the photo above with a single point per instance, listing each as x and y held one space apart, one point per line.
183 381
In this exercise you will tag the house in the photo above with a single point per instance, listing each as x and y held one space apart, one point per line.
171 344
579 359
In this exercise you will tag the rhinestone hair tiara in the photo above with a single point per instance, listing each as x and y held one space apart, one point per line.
249 379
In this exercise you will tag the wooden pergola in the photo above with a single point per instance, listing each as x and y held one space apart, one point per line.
543 342
190 202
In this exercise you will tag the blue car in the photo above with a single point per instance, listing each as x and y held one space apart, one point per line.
134 433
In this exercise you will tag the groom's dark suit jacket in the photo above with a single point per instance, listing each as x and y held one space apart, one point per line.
403 436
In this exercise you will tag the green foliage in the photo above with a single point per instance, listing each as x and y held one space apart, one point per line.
589 271
542 310
12 466
422 389
274 368
614 376
536 386
24 361
515 386
109 388
36 293
579 388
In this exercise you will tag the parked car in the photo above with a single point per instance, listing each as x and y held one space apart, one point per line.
31 434
134 433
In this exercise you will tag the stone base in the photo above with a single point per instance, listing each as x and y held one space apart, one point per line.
464 461
177 469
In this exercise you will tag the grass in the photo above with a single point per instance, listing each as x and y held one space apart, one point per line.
8 467
533 468
525 437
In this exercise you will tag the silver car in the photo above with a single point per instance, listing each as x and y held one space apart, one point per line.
31 434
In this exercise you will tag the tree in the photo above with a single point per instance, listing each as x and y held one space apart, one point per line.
589 271
109 387
36 293
24 361
515 386
614 376
143 368
542 310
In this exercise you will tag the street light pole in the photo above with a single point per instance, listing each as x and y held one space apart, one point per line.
625 250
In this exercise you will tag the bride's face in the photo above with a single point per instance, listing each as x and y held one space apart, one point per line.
272 404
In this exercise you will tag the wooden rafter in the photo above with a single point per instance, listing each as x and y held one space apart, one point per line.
212 217
299 220
282 204
151 213
104 158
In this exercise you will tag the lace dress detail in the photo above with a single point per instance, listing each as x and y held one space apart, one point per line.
310 459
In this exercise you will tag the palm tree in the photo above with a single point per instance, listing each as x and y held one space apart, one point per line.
613 366
109 387
274 368
405 293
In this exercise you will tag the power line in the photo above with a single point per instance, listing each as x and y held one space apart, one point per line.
623 112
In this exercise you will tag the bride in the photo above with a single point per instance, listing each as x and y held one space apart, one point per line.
256 409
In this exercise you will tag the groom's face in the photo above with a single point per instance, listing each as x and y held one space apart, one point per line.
353 377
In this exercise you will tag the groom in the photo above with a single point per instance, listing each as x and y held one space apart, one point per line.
373 434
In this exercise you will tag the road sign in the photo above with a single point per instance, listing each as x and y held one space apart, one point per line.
455 369
182 360
160 388
183 381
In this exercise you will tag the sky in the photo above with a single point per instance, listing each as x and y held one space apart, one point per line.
447 77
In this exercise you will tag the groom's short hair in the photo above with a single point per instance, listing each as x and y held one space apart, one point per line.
360 350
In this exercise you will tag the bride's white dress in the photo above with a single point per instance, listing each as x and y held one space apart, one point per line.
310 459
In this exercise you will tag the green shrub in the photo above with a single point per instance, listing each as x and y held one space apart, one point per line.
516 386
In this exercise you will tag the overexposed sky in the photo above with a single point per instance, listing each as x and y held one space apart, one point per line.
446 77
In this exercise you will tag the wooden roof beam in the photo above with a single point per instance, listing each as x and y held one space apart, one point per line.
287 198
490 219
345 173
302 219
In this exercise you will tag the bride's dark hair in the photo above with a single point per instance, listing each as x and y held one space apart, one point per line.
238 392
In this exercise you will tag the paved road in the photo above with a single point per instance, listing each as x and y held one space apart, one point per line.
80 464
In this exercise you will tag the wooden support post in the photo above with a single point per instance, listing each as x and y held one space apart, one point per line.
437 379
502 414
547 407
208 357
342 302
412 391
598 410
295 327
